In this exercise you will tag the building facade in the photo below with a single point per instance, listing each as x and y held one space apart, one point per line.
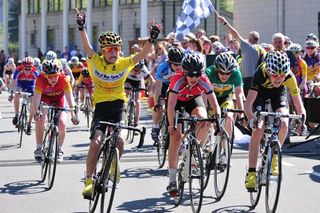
128 21
293 18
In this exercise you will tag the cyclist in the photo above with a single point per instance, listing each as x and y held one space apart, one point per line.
226 78
312 58
37 64
8 71
24 79
164 72
136 79
51 88
185 91
85 81
109 72
76 67
67 71
269 82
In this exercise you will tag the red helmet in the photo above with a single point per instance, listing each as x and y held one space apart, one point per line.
28 61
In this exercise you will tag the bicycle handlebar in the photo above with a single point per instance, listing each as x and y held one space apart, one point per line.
24 93
192 119
135 89
280 115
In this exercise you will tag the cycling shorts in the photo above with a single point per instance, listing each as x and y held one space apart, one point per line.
277 101
134 84
190 105
57 101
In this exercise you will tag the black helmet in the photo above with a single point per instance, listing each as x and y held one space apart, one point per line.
85 73
50 67
192 64
175 55
139 65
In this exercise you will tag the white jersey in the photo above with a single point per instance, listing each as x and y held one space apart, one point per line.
138 76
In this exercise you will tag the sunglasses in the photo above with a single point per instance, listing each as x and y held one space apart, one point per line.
311 48
278 76
52 76
223 73
175 63
112 49
27 68
191 75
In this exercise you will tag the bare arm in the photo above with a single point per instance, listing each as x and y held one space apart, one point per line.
230 29
248 105
297 102
214 103
35 103
172 101
239 97
143 53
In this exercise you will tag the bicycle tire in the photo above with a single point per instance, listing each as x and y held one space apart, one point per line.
130 122
181 183
273 182
195 177
22 122
222 167
232 140
208 159
161 148
44 162
109 181
96 180
52 157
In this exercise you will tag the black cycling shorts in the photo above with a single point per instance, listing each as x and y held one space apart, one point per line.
111 111
134 84
278 100
190 105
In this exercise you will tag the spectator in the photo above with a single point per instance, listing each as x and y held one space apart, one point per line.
135 49
185 43
200 32
39 54
214 38
66 53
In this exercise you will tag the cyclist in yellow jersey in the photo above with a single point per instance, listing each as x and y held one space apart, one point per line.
269 82
109 72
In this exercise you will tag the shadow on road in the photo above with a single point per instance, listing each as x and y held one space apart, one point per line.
144 173
8 146
23 187
148 205
143 149
234 209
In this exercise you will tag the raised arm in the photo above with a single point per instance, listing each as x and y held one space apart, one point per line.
230 29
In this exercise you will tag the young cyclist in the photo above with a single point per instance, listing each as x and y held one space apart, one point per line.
164 72
76 67
67 71
136 79
85 81
51 88
8 71
225 77
109 72
270 82
24 80
185 91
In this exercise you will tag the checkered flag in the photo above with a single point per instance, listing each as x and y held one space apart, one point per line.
193 11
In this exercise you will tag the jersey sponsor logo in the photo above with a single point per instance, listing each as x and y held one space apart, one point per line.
221 88
109 77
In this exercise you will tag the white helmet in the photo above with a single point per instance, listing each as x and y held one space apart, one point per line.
37 61
51 55
74 59
10 60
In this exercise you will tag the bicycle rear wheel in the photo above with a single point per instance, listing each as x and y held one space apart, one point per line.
181 182
195 177
22 123
274 178
130 121
52 158
162 143
110 181
87 112
222 165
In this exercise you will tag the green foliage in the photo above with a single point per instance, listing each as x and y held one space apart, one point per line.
14 13
1 35
226 5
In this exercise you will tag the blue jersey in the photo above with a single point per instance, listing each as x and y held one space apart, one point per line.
164 72
25 82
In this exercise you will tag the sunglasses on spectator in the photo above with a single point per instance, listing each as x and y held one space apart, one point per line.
112 49
196 74
278 76
223 73
52 76
311 48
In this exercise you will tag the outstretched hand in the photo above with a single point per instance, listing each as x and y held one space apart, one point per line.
81 17
154 30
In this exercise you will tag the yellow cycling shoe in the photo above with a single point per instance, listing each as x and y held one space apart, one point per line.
112 168
88 188
274 165
251 181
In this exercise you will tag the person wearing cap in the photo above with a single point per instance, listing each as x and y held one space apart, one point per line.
135 49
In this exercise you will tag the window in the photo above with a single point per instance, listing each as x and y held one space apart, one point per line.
95 38
71 37
137 33
54 5
50 39
33 6
33 40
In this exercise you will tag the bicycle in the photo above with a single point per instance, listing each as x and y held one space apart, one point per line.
87 107
103 179
50 143
131 114
23 117
217 152
191 167
270 150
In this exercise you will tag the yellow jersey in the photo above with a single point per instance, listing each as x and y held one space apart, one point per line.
109 79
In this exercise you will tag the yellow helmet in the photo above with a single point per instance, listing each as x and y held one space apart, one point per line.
109 38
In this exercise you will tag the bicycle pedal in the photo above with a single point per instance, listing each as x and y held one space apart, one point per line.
88 197
252 190
174 194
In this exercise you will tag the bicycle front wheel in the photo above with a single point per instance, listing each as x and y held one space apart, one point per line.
45 160
162 143
52 158
195 177
110 179
222 165
22 123
274 177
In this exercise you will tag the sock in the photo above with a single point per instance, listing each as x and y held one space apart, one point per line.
155 126
172 175
59 147
39 146
252 170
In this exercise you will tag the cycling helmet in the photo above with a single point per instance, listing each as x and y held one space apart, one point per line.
225 62
64 63
37 61
139 65
311 36
295 47
311 43
277 62
218 47
28 61
10 60
51 55
175 55
50 67
74 59
83 59
109 38
85 73
192 64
